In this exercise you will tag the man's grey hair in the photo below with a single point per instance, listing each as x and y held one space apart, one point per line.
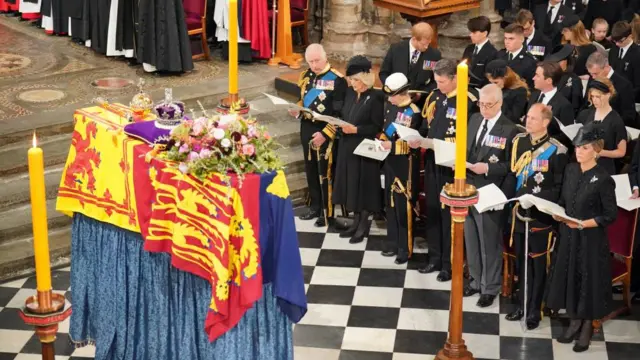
315 48
491 92
446 67
599 59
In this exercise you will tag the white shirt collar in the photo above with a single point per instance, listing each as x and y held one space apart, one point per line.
411 49
533 33
549 95
554 12
490 123
517 52
610 74
626 48
479 46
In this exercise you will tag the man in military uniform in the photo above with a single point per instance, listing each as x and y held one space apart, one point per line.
439 113
322 90
516 55
537 168
415 59
401 168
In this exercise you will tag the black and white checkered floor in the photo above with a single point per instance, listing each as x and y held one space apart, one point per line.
363 306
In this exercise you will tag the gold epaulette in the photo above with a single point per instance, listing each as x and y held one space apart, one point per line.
383 137
561 148
330 131
471 96
337 72
429 108
415 108
401 148
302 77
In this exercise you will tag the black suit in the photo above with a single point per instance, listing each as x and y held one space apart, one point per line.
540 46
523 64
623 102
478 63
420 74
562 110
553 30
483 231
610 10
575 5
514 104
570 86
628 66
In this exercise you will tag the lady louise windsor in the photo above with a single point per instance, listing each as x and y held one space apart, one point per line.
580 279
356 185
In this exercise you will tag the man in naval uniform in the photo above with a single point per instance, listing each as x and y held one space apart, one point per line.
516 55
322 90
401 168
415 59
439 114
537 167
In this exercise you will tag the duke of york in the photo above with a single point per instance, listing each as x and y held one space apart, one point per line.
322 90
537 168
401 168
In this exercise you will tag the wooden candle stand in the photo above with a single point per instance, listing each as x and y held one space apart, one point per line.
45 311
459 196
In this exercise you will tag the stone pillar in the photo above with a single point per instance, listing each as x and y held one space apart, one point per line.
379 36
453 35
345 34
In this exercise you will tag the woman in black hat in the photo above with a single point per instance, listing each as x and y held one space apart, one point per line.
357 180
570 85
601 114
580 277
574 33
515 92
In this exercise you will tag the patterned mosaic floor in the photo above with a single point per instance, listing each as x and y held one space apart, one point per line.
364 307
39 72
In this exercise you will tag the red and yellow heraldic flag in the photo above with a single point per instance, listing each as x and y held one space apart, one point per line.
209 229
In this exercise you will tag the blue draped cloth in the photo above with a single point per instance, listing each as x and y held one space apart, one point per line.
133 305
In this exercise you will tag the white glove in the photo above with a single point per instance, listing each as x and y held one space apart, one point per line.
379 145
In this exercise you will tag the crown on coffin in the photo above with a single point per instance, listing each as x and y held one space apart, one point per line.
169 112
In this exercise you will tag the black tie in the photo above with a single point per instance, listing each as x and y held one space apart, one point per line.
541 97
550 14
621 53
475 50
482 134
510 56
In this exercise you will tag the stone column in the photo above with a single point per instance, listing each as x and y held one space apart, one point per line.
344 34
379 34
454 35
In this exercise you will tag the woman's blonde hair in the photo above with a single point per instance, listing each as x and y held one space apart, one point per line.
607 82
514 81
598 145
635 28
368 79
579 35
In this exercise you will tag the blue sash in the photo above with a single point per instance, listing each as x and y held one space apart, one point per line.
313 93
391 129
528 169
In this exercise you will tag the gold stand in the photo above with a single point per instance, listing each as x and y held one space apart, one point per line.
459 196
233 105
45 311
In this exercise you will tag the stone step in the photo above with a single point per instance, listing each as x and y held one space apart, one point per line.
14 189
16 220
292 159
13 157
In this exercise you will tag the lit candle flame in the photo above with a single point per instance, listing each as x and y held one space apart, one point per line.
464 61
35 140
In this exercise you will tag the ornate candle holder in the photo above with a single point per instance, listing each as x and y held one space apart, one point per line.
45 311
233 105
459 196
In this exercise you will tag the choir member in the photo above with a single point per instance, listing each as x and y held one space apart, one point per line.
570 85
440 114
490 133
480 52
580 277
9 6
537 165
30 9
516 55
599 31
55 18
624 57
401 168
80 26
623 102
415 59
548 75
515 92
357 184
574 33
322 90
163 43
601 114
610 10
536 42
550 18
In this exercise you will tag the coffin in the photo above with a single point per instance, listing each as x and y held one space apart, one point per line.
427 8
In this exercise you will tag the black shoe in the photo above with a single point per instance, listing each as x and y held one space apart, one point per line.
444 275
311 214
351 230
338 224
402 258
363 229
515 316
429 268
485 300
320 222
469 291
586 331
388 253
532 322
571 333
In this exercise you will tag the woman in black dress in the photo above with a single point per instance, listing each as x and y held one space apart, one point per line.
357 182
602 115
580 277
574 33
515 92
570 85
